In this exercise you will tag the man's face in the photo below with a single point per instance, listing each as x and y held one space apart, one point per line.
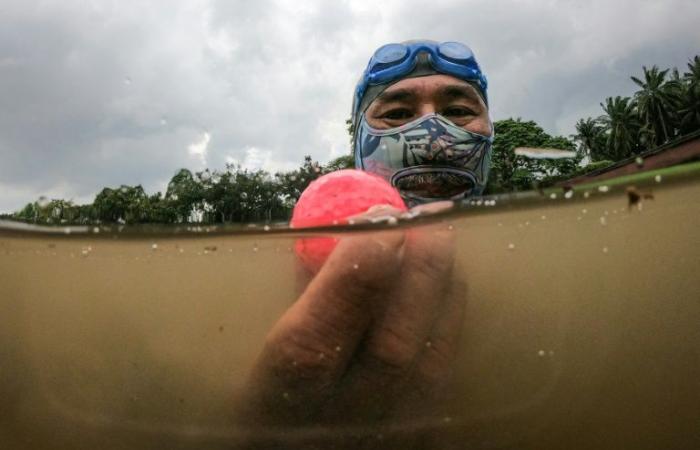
412 98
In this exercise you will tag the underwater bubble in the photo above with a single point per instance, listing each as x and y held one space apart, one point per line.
244 195
657 178
511 246
603 188
154 246
568 194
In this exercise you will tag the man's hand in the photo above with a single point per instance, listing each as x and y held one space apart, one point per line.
372 337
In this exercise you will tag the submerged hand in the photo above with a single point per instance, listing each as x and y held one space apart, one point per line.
371 339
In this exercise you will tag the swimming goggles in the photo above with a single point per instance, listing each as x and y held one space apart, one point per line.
391 61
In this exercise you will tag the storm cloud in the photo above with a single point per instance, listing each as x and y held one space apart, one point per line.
102 93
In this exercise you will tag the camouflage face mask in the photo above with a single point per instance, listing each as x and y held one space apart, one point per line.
428 159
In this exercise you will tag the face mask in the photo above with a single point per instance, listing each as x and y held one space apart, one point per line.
427 160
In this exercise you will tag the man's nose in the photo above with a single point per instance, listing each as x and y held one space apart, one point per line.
427 108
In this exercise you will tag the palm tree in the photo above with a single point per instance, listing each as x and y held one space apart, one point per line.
590 135
656 102
621 119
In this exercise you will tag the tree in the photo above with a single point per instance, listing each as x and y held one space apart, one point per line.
656 103
511 172
622 124
590 134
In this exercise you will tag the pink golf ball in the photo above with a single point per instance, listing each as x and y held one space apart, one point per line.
330 200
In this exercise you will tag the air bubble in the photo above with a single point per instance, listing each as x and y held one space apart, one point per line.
553 195
95 230
541 353
355 266
266 228
154 246
605 250
511 246
584 211
428 344
568 194
244 195
639 161
603 188
603 221
338 348
657 178
543 217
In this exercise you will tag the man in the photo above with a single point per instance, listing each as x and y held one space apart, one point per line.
371 340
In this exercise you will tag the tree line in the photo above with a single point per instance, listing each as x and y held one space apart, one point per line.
666 106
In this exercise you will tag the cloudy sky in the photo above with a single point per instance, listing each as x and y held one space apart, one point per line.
105 93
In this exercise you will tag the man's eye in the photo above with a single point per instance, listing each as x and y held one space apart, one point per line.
397 114
458 111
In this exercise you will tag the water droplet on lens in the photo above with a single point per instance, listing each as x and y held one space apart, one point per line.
584 210
127 80
163 121
603 188
43 202
154 246
657 178
266 228
568 194
255 247
355 266
639 161
553 195
541 353
605 249
603 221
543 217
338 348
511 246
428 344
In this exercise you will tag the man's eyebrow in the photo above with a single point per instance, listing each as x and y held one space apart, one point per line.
396 95
454 91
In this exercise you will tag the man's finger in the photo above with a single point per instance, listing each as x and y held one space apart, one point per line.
310 346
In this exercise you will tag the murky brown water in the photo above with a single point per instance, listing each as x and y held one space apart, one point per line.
582 330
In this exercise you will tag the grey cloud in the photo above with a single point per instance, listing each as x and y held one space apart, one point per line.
96 94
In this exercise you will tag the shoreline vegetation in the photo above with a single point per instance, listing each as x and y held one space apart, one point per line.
665 107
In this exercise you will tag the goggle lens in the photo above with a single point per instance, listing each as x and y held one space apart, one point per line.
390 53
455 50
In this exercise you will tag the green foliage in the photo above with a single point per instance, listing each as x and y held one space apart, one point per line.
511 172
232 195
